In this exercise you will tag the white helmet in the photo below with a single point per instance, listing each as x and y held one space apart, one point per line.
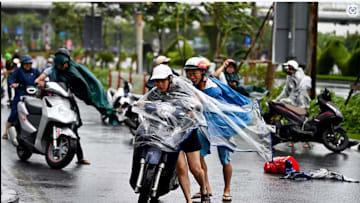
195 63
292 63
161 59
161 72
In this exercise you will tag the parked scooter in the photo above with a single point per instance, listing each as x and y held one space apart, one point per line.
47 126
123 100
292 124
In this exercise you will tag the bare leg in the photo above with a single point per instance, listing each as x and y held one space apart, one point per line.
204 167
182 171
227 171
195 168
5 135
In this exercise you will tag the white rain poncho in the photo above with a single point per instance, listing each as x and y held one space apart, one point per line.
296 89
169 118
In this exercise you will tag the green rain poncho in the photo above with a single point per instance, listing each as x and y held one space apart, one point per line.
84 85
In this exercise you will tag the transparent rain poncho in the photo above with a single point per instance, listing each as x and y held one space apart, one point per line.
169 118
296 89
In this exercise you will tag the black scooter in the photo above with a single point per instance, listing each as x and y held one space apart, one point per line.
292 124
153 171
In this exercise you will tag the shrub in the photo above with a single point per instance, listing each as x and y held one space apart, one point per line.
334 53
102 75
78 52
105 58
353 64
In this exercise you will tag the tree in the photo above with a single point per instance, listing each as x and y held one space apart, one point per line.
226 18
64 18
158 17
183 15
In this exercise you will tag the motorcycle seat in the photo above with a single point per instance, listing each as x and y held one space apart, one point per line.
300 111
33 105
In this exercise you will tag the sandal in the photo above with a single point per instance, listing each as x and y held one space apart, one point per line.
227 198
205 198
83 162
198 195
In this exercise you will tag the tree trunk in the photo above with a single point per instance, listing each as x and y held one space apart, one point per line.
104 47
184 35
160 42
178 35
252 56
270 75
314 16
218 41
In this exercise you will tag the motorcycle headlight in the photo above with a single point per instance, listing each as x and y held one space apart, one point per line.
62 110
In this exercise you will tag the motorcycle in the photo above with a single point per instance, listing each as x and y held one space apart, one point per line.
153 173
154 165
292 123
123 100
47 126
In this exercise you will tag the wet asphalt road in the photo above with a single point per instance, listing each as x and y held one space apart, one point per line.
110 153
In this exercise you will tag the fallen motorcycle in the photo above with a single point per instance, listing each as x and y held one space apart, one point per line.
292 123
123 101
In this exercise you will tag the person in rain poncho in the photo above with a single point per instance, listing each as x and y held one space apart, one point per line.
297 86
83 84
172 112
296 89
231 119
81 81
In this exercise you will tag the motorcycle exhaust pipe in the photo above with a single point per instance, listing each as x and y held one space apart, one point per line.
13 136
157 180
140 176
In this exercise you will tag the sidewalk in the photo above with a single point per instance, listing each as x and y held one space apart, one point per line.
8 195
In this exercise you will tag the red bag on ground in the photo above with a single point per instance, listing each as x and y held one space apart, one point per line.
282 165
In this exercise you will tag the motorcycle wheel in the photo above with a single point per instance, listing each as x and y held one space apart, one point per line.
147 182
63 157
23 153
335 141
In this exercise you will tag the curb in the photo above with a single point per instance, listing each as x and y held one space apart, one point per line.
9 195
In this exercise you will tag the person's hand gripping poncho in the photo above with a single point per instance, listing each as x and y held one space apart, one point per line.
239 128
